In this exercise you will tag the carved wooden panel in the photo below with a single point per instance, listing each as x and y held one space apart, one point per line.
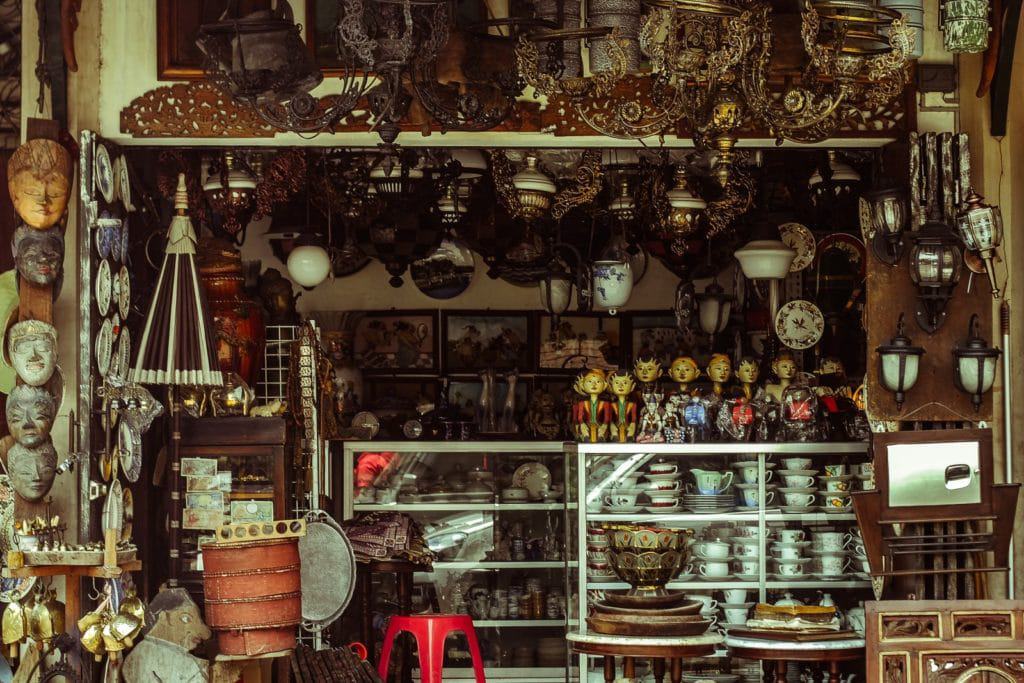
190 110
969 625
956 667
895 668
916 626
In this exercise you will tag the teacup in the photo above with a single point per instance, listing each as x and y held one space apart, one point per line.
746 532
834 565
686 570
711 568
620 500
710 604
749 474
799 499
745 550
836 470
856 533
735 615
735 595
835 485
664 500
838 500
785 552
866 469
790 568
797 463
798 481
711 482
712 549
830 541
750 497
747 566
662 468
790 535
663 485
855 619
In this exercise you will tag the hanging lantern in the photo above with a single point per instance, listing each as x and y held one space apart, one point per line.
888 208
714 307
556 292
309 264
398 236
229 190
935 265
898 364
612 284
840 179
975 364
981 228
686 208
964 25
534 189
623 206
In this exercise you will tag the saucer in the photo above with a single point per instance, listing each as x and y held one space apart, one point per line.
747 577
794 577
794 473
662 510
627 510
704 558
799 509
787 489
743 487
736 605
797 560
709 511
836 477
663 477
832 577
797 544
713 578
602 578
830 510
821 553
685 577
751 463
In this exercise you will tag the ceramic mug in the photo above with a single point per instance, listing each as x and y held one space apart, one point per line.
797 463
798 481
620 500
831 541
790 569
747 567
662 468
710 482
836 485
735 615
710 604
837 500
746 531
712 549
749 474
836 470
750 497
791 535
834 565
745 550
785 552
799 499
735 595
716 569
866 469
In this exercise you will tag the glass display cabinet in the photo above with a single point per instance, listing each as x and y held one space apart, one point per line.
497 516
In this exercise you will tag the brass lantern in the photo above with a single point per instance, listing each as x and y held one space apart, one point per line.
935 265
981 228
534 189
686 208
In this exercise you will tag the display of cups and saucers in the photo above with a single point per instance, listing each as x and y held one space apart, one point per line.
832 566
797 463
747 569
735 613
623 501
836 501
668 484
749 496
794 569
797 478
836 483
798 500
747 471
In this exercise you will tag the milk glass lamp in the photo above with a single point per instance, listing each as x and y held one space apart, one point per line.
974 364
899 361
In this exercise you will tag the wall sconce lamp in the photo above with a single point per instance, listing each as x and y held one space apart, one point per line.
899 361
935 265
713 306
975 364
981 228
889 214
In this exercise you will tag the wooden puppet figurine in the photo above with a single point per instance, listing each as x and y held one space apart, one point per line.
684 371
747 373
591 415
719 372
648 371
784 367
623 408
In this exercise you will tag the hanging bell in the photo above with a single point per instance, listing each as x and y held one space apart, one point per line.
125 627
92 640
134 606
88 620
15 628
112 641
46 620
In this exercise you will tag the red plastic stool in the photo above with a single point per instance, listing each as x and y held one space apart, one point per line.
430 631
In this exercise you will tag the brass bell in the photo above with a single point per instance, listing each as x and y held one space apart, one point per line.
125 627
112 641
92 640
134 606
46 620
15 628
88 620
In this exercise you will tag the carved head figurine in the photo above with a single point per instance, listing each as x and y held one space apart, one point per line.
32 469
592 384
621 384
683 371
830 365
32 351
39 180
172 616
748 370
30 414
784 366
38 254
647 369
719 370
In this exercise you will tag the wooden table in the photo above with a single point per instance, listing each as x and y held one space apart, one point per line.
829 654
664 653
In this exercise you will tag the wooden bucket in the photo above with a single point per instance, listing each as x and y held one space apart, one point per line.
253 595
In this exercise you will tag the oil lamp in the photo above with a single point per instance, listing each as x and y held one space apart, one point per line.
981 228
935 265
975 364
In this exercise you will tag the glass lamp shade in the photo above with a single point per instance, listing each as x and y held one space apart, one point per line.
975 364
899 362
687 208
472 161
309 263
713 309
888 210
979 224
556 293
935 260
534 189
765 259
623 206
393 180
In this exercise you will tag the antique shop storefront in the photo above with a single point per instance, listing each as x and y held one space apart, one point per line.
608 340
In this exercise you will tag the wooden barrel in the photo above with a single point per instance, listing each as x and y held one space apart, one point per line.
253 595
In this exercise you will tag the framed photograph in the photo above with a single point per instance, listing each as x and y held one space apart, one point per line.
580 341
656 334
397 342
474 340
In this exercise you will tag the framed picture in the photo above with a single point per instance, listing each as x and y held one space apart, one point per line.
397 341
487 339
465 397
580 341
656 334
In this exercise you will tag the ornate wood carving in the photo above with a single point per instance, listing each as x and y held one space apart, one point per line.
910 626
983 625
947 668
894 668
190 110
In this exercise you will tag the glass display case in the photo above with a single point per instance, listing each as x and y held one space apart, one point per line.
767 522
496 515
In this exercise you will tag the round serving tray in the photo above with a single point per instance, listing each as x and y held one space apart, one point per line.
328 571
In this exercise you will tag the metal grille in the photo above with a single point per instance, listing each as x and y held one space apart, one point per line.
273 384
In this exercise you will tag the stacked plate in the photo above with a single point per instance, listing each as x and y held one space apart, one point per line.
709 503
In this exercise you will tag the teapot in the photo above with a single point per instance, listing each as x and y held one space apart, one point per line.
787 601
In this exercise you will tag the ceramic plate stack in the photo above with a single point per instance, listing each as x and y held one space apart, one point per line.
710 503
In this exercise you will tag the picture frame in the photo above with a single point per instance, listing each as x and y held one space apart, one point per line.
477 340
464 396
655 333
583 341
397 342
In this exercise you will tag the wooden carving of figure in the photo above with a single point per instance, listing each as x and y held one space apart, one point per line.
623 409
174 626
39 181
591 415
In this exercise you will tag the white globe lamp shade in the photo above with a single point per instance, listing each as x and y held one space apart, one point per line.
309 265
765 259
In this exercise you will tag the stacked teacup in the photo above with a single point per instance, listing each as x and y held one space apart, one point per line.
710 492
746 548
662 485
735 609
624 495
858 555
798 491
788 554
836 492
599 566
829 547
712 559
709 607
748 484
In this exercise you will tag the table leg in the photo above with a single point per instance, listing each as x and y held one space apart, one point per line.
405 609
609 669
365 581
833 672
677 670
629 668
780 671
659 670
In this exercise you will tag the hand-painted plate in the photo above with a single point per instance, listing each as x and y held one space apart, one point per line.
104 346
800 239
534 477
799 324
130 447
124 187
104 287
124 292
104 173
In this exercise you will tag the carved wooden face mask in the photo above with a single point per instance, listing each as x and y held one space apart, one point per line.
30 414
32 470
32 349
39 180
38 254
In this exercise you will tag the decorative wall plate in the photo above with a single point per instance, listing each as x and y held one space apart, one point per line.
800 239
124 292
124 241
124 353
107 465
104 235
124 187
841 243
799 324
15 590
104 173
104 287
445 272
328 571
366 420
104 346
129 445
